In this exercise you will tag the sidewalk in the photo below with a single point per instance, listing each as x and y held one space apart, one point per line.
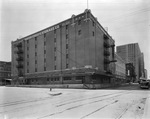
146 114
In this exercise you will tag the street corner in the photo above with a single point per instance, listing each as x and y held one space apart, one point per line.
54 93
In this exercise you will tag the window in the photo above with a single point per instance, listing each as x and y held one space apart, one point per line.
27 70
93 23
54 40
93 33
47 79
35 46
27 63
44 68
55 31
44 35
67 78
79 32
57 79
79 22
35 53
66 46
44 51
44 60
66 36
67 66
35 39
66 27
55 49
35 61
55 58
27 55
67 56
35 69
80 78
27 41
44 43
27 48
55 67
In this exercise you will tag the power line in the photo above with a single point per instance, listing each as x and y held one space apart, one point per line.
130 25
115 19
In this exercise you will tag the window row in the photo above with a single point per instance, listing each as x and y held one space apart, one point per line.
4 74
67 37
79 23
81 78
36 69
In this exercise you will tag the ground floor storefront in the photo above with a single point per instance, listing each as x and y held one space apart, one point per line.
88 78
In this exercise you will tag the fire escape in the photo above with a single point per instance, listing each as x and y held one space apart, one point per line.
106 53
19 59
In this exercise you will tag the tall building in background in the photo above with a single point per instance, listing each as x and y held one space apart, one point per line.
5 72
141 73
145 73
131 53
76 50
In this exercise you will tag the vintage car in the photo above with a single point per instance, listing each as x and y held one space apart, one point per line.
144 83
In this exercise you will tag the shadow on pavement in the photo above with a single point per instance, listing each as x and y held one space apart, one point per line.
133 86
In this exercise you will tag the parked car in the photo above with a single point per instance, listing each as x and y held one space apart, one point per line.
144 83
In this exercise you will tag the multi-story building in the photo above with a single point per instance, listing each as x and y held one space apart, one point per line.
120 69
145 73
141 72
73 51
5 72
131 53
130 72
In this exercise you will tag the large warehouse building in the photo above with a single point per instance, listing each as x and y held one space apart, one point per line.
77 50
5 73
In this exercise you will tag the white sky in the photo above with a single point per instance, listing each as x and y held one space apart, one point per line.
128 21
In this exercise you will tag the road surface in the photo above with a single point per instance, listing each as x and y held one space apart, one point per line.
39 103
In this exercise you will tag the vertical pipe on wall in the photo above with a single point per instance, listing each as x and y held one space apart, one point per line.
61 79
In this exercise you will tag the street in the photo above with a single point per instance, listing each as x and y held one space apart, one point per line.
41 103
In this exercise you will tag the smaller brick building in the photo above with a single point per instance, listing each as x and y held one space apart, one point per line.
130 72
5 72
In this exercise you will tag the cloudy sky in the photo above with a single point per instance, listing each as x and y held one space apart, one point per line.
128 21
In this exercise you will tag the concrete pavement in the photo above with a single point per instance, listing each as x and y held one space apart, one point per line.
146 114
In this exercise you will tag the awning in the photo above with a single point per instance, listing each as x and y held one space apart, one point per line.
8 79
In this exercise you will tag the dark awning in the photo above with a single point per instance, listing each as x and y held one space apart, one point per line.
8 79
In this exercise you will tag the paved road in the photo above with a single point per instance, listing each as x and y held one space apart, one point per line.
36 103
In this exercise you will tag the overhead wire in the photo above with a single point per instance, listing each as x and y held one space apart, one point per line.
115 19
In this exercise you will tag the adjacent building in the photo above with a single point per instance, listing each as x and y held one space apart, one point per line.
77 50
131 53
120 69
5 72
